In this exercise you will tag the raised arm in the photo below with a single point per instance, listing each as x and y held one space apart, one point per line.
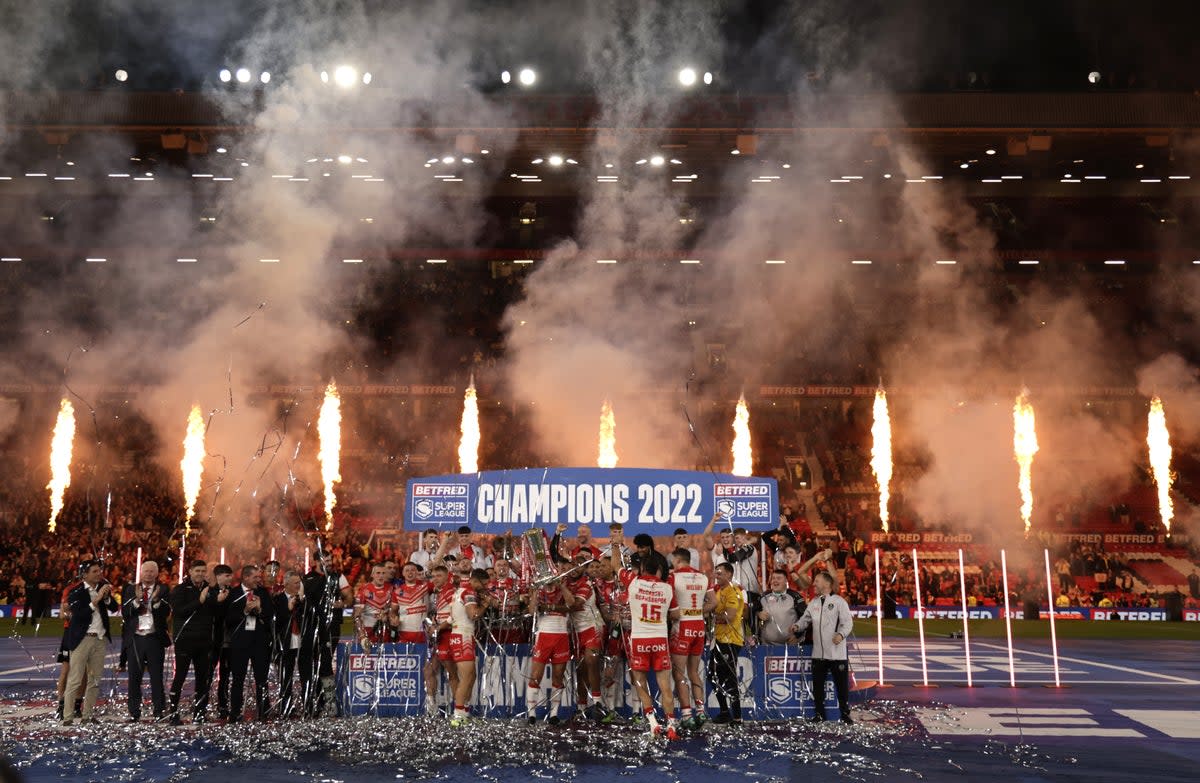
706 536
556 554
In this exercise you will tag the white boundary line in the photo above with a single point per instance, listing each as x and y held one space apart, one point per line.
1126 669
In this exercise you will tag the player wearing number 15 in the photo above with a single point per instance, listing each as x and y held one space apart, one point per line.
651 604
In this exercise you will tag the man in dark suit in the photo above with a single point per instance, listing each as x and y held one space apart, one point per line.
289 622
248 629
193 604
144 612
87 637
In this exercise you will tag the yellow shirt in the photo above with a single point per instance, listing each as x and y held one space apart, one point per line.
730 597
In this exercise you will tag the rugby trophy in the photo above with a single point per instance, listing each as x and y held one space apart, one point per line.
537 558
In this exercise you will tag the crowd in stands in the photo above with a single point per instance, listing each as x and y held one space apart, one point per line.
141 506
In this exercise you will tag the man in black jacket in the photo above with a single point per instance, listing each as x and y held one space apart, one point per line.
248 628
222 583
326 594
194 605
86 638
144 613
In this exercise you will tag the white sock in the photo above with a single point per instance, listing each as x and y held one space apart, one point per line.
556 698
532 697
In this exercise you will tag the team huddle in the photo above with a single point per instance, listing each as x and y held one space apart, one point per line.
604 610
594 607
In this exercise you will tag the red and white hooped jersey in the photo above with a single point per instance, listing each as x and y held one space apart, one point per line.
589 615
460 620
376 602
550 622
650 603
441 603
412 600
508 594
690 587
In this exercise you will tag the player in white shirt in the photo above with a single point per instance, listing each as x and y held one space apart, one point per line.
651 606
694 597
468 604
550 605
587 624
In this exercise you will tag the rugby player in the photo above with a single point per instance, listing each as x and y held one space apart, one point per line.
440 657
467 605
694 597
588 626
550 605
412 606
651 605
373 608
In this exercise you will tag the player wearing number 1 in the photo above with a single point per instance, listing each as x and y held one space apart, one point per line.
694 597
651 604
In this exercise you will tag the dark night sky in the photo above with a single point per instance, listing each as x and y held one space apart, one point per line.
768 46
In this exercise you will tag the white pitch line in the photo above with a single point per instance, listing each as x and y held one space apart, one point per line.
1004 681
51 665
1126 669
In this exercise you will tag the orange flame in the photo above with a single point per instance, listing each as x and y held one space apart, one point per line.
329 432
743 454
1159 441
468 445
192 465
1025 445
60 459
881 452
607 457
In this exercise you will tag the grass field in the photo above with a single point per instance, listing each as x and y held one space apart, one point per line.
983 629
1035 629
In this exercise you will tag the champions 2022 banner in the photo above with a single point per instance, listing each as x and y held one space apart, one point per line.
644 500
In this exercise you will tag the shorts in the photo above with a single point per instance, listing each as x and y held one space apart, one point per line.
616 645
462 648
689 639
444 653
412 637
378 634
588 639
649 655
554 648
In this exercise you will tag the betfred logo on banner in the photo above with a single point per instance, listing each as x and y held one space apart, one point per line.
747 504
774 664
377 663
440 504
1153 615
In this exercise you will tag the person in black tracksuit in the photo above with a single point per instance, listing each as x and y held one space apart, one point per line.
194 605
249 632
326 593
